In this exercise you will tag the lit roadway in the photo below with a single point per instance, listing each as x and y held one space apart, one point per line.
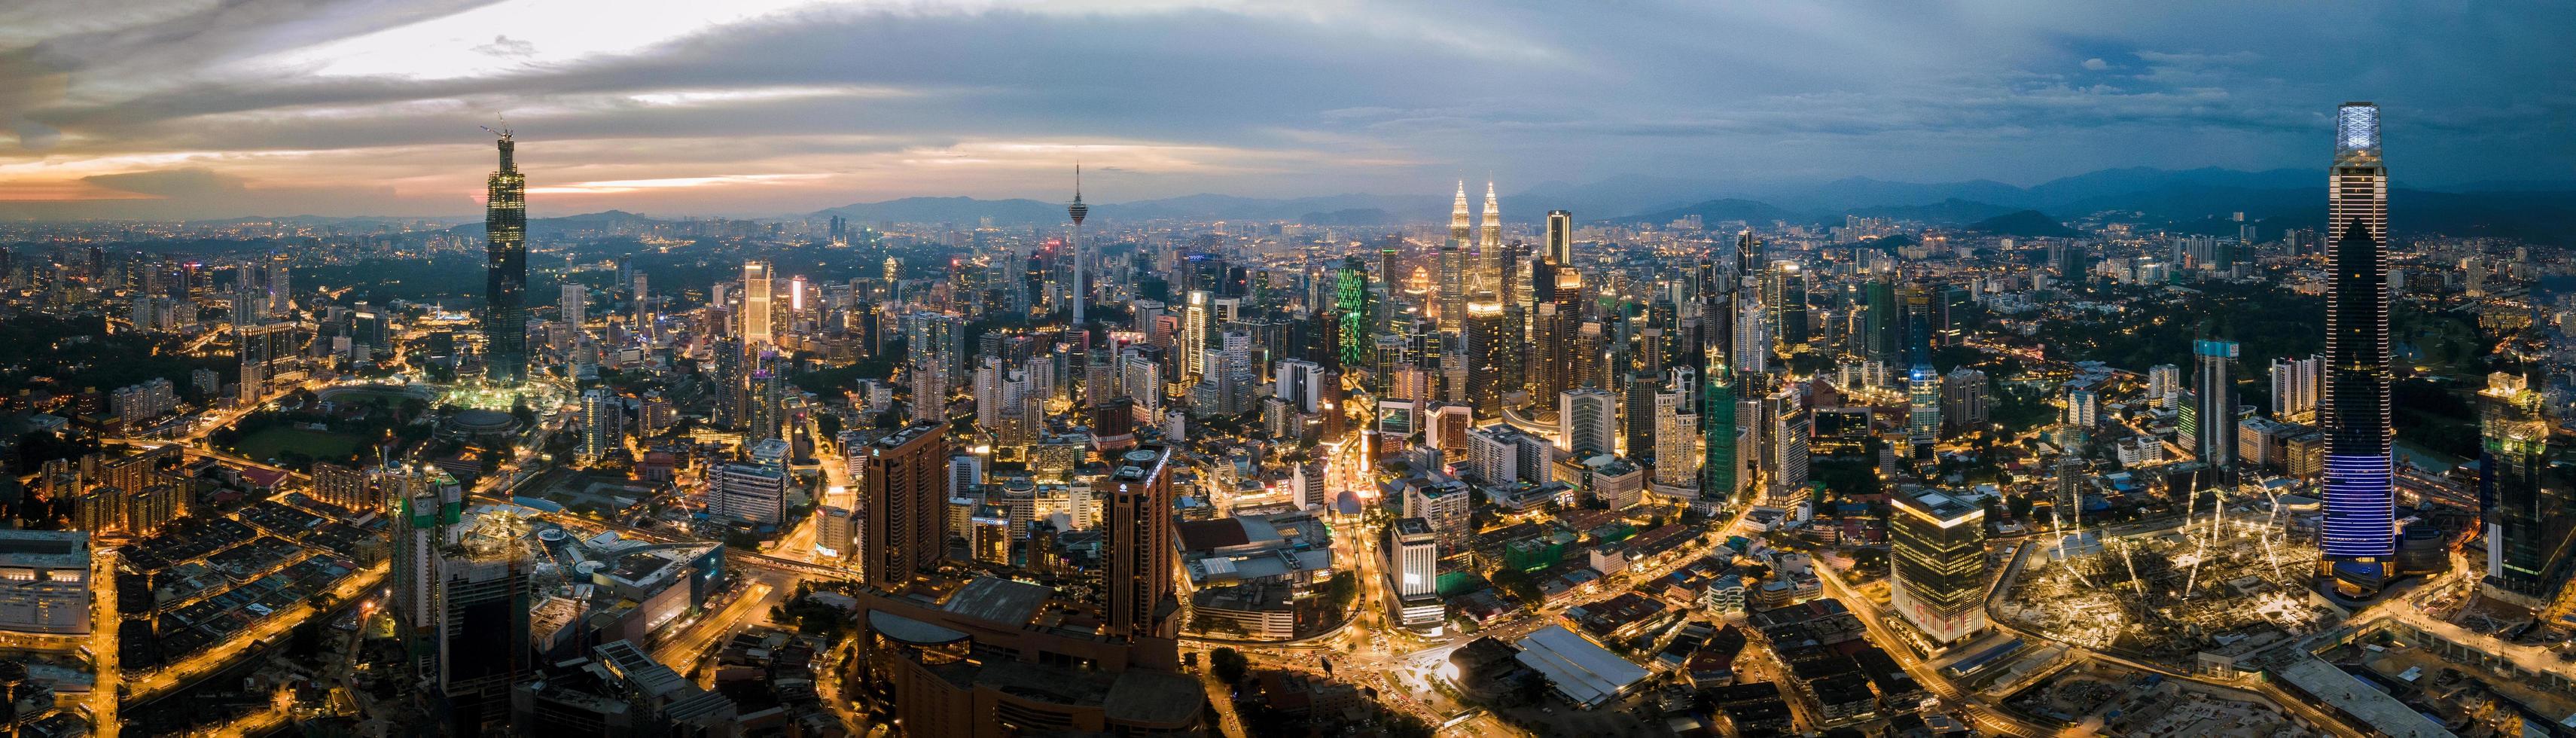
206 661
1367 653
1987 720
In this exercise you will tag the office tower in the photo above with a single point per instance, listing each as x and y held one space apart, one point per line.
2083 408
1353 311
1752 337
2164 385
757 322
2530 522
571 304
1451 288
1139 545
1785 292
765 399
1547 365
1300 383
1923 426
1789 429
1194 334
1587 421
1637 415
1882 321
1963 399
2295 386
603 421
1677 432
643 306
732 409
1560 238
1416 559
1488 254
1937 565
2214 440
1076 210
903 487
2360 502
749 493
1721 470
483 631
505 245
1489 346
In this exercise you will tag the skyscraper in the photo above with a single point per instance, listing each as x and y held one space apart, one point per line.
2360 503
1721 472
1785 292
904 487
1923 394
1587 421
2529 523
1140 544
1560 238
573 309
756 320
1937 565
2214 441
1489 345
505 269
1354 312
2295 385
603 419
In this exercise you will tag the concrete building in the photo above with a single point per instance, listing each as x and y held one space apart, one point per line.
750 493
1413 574
44 582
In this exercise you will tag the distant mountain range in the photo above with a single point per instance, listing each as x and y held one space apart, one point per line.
2197 200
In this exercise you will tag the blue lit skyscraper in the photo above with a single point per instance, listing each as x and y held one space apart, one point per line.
2360 505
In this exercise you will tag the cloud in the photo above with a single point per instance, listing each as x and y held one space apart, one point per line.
769 106
504 46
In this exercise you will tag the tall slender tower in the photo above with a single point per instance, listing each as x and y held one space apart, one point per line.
2214 437
1560 237
1458 233
1077 210
505 245
1489 245
1140 544
2360 504
756 319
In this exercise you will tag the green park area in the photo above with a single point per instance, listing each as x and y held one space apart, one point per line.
273 443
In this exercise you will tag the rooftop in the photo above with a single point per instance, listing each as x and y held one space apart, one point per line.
1587 673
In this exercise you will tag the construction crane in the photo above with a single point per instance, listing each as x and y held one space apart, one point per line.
503 131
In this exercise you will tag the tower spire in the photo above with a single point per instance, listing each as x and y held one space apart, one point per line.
1458 233
1493 230
1077 210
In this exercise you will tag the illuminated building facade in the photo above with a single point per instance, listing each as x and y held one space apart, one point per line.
2530 522
2360 501
505 271
903 487
1938 565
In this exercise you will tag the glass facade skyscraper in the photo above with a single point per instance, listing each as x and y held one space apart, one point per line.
505 296
2360 519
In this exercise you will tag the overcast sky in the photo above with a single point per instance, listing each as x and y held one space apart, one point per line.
155 108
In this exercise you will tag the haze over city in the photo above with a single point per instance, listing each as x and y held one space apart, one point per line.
158 109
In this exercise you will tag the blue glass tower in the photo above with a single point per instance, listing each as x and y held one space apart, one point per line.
2360 502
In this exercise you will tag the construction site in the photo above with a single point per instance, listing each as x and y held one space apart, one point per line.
2226 580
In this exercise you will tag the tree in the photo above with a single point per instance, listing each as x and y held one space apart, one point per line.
1228 665
1339 592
